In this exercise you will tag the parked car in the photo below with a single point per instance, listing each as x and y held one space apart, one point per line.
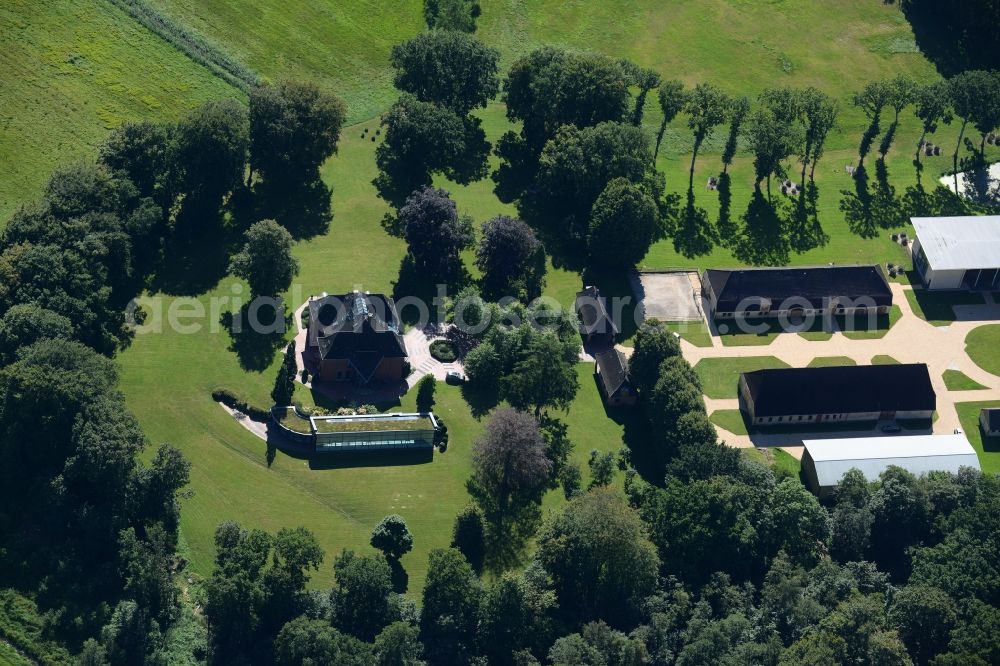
891 427
454 377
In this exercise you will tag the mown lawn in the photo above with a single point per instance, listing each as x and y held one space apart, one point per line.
987 448
884 359
882 325
69 71
956 380
729 419
982 344
827 361
720 376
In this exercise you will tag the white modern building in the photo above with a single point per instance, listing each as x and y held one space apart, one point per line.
957 252
825 461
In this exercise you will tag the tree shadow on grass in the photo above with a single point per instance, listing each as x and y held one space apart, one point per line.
303 208
251 336
412 283
805 232
762 239
694 236
942 34
400 579
195 254
726 226
481 400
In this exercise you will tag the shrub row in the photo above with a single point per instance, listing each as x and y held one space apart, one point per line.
233 401
191 44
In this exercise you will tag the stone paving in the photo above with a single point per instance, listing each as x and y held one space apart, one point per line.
910 340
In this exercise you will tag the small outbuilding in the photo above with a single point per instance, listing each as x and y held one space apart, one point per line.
825 461
611 369
989 421
837 394
957 252
596 326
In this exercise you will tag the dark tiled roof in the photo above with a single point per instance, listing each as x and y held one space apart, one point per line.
813 283
613 370
992 418
352 324
841 389
593 314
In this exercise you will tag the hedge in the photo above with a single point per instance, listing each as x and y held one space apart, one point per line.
234 401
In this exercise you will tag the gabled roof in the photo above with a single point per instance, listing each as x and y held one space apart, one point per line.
959 243
992 417
613 368
355 324
917 454
593 314
841 390
812 283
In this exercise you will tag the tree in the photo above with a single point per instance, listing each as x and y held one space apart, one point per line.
796 523
507 256
294 128
872 99
975 96
126 636
305 641
623 224
598 556
362 600
399 645
902 93
283 393
654 343
672 99
434 232
645 80
450 608
514 616
571 479
707 107
574 169
452 14
545 375
819 113
25 324
425 393
740 108
932 105
772 139
469 536
602 469
140 151
422 139
392 537
266 261
484 366
447 67
510 475
209 150
547 89
925 616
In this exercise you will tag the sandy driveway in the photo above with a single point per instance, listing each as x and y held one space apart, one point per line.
910 340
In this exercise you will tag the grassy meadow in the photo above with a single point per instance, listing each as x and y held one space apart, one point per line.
71 70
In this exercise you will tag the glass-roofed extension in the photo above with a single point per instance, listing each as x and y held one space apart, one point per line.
372 432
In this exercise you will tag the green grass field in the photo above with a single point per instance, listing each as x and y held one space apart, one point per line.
982 345
70 71
988 449
729 419
719 376
828 361
883 359
956 380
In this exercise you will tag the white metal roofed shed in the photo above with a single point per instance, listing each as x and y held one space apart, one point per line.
825 461
957 252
